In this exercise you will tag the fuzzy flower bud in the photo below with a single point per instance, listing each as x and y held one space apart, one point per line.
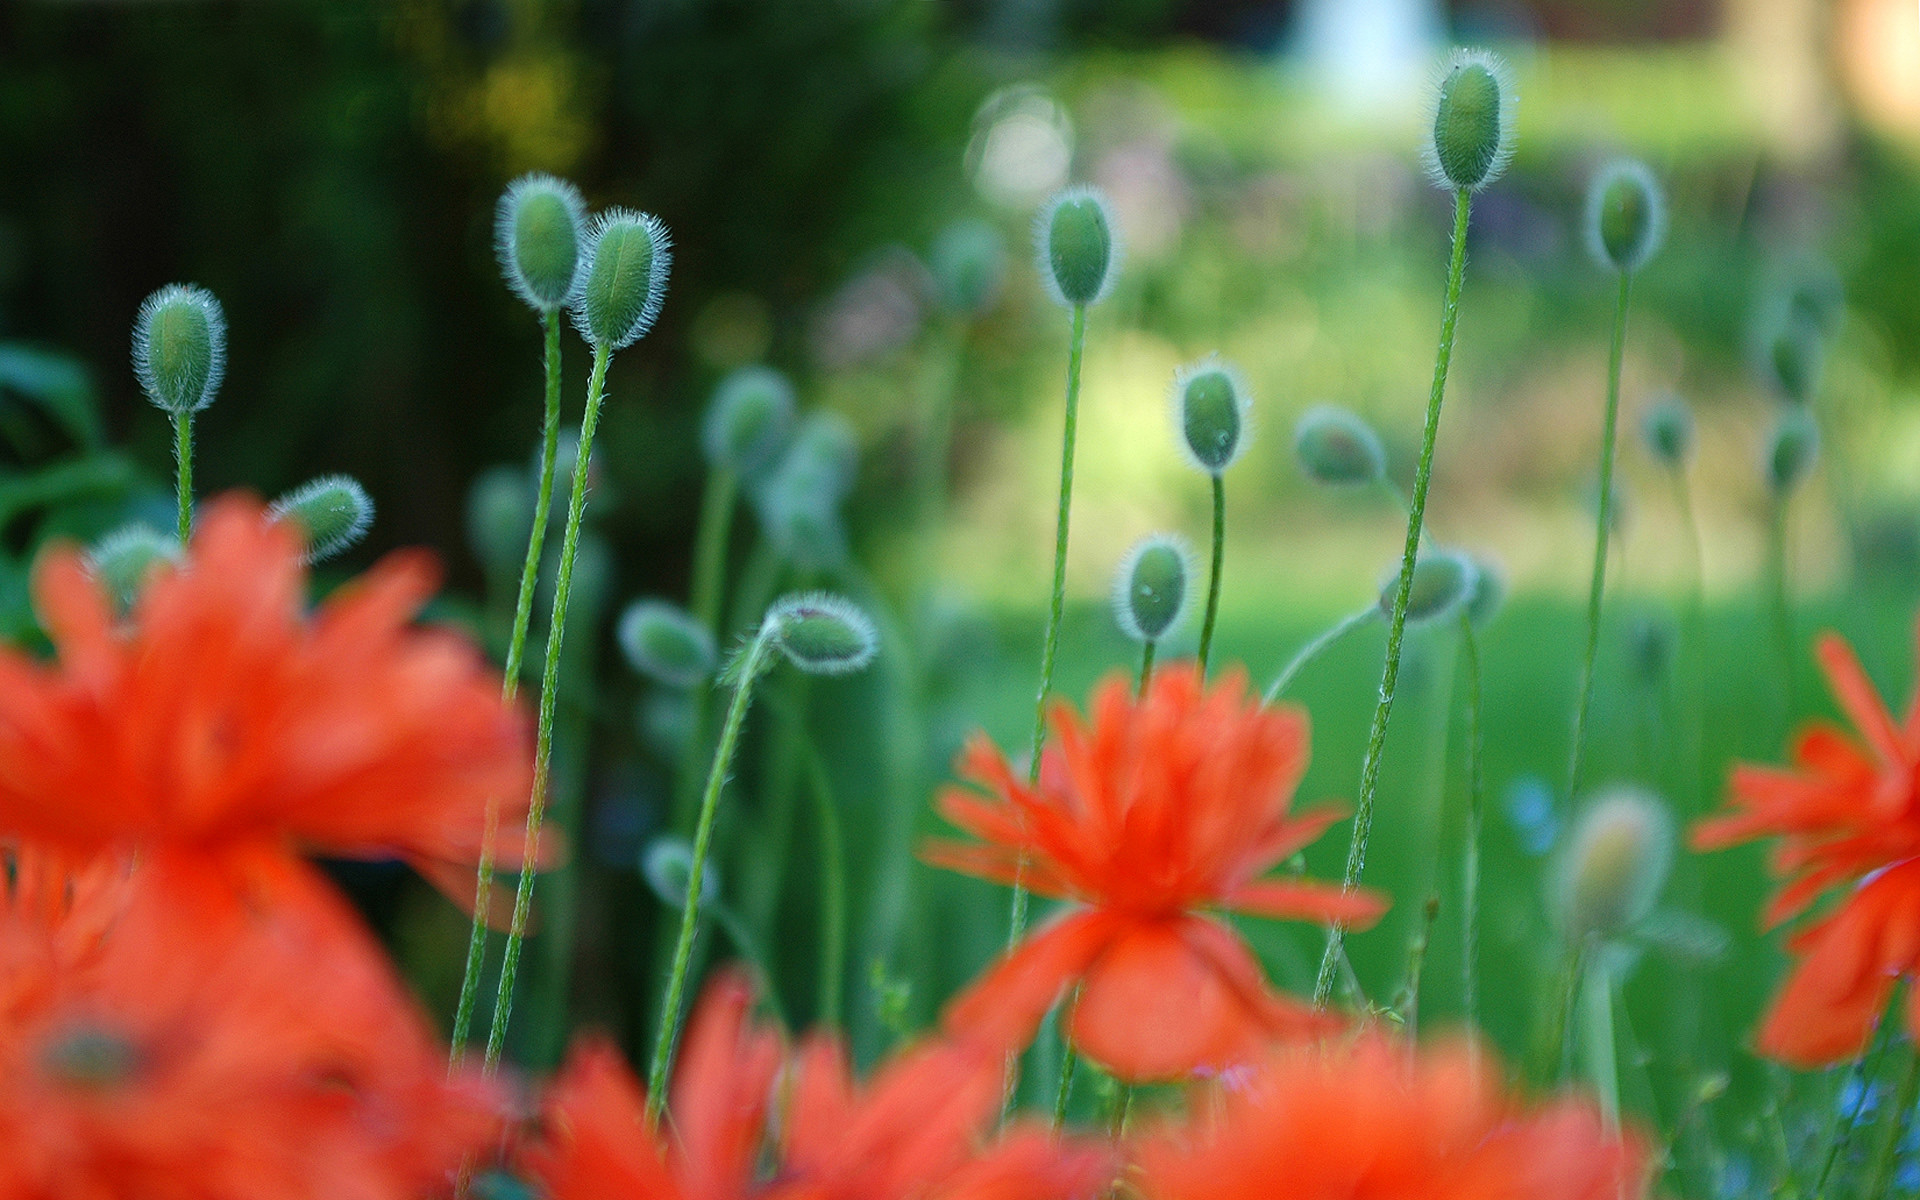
663 642
1336 447
748 420
1667 428
180 347
1210 404
1791 450
123 559
1792 360
1472 126
1626 215
625 279
668 864
823 634
1442 581
1079 254
1615 862
538 227
332 513
969 262
1150 591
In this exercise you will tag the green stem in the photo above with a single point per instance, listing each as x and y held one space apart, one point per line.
1880 1176
1602 528
549 691
1397 622
1554 1046
1314 648
1409 1005
1781 603
706 596
1122 1110
1146 668
1470 865
750 667
1697 619
183 472
1068 1060
509 687
1841 1130
1603 1064
1213 573
833 890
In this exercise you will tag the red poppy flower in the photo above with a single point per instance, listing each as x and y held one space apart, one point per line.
1149 818
1373 1117
220 715
1847 814
159 1039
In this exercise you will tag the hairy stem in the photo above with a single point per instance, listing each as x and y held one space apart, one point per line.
1146 668
1213 573
183 472
1470 859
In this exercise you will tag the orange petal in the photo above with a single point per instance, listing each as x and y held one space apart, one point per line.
1154 1007
1004 1007
1858 698
1304 900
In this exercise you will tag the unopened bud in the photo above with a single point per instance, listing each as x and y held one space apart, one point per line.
1650 649
799 503
1793 361
499 515
1626 215
1791 450
969 262
1667 427
180 347
538 229
1472 128
748 420
1210 402
823 634
1150 590
668 864
1442 581
1336 447
332 513
625 280
1078 251
1614 865
123 559
663 642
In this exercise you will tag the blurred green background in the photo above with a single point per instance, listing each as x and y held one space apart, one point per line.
329 171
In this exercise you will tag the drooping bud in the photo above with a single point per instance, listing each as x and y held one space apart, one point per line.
1210 405
1626 216
799 503
625 278
663 642
1442 581
1488 592
1791 450
123 559
823 634
668 864
538 229
748 420
1336 447
969 262
1667 428
1471 140
332 513
1150 591
1614 865
499 514
180 347
1079 252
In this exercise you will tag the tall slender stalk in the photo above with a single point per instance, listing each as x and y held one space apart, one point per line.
1213 573
549 690
183 472
1397 622
833 890
1146 667
1778 597
705 598
1470 859
509 687
1603 1061
749 669
1880 1175
1602 527
1315 648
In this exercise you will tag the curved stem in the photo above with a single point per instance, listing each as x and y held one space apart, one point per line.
183 472
509 687
1068 1060
1603 1063
1470 860
1781 602
750 667
1397 622
1315 648
1213 574
549 691
1602 528
833 890
1881 1174
705 598
1146 668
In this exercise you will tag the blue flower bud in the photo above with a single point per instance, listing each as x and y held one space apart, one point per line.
1470 138
538 229
1150 590
1078 249
180 347
625 279
332 513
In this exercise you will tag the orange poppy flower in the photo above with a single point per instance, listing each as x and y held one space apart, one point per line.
1149 818
1847 814
1373 1117
160 1042
911 1133
220 715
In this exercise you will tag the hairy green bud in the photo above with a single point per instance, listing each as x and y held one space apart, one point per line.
748 420
1336 447
332 513
1210 405
499 514
1150 590
123 559
1667 428
664 642
1791 450
667 865
823 634
1471 133
1078 250
1442 581
1609 876
625 280
1626 215
180 347
969 263
538 229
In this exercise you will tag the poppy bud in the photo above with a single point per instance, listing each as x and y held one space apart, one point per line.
1442 581
1472 128
969 262
1667 428
123 559
1150 590
799 503
332 513
823 634
1614 864
1078 252
1626 216
625 279
1793 361
1487 594
1336 447
1210 401
1791 450
499 514
748 420
663 642
180 347
1650 649
668 864
537 230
